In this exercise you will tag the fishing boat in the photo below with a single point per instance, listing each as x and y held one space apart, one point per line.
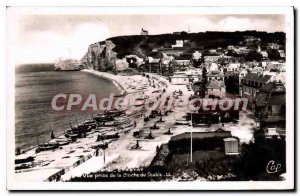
115 112
23 159
139 103
102 145
126 127
24 165
120 95
109 124
72 134
182 122
46 146
108 136
92 123
103 118
61 141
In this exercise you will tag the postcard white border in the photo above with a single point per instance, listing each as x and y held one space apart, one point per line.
257 185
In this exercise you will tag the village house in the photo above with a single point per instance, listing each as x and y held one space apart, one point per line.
230 47
211 59
179 44
270 105
196 55
183 62
257 70
152 64
216 88
251 83
275 65
273 46
264 54
169 51
233 67
241 50
242 74
215 75
203 134
186 77
231 146
251 41
276 76
281 53
212 51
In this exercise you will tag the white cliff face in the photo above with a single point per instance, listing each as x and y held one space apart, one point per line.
101 57
68 65
93 54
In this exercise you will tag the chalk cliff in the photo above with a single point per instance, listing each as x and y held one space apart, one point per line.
100 56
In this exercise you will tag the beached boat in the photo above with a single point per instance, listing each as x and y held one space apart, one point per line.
182 122
115 113
108 136
120 95
46 146
61 141
24 162
23 159
91 123
102 145
103 118
73 134
24 165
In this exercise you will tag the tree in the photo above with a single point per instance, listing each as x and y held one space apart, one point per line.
203 83
273 55
232 53
253 55
232 84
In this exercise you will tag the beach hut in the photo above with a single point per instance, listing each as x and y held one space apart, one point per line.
231 146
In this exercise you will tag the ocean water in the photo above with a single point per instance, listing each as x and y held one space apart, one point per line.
35 118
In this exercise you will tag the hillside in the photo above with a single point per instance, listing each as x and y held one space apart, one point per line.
103 55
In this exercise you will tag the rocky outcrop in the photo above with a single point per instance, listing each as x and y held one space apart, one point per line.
68 65
100 56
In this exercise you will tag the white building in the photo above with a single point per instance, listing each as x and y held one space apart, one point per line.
273 46
264 54
210 59
185 77
216 88
196 55
213 67
275 65
271 132
233 67
231 146
179 44
183 62
257 70
281 53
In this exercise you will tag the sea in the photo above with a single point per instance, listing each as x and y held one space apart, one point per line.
34 91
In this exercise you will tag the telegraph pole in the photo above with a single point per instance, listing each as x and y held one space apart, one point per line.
104 156
191 137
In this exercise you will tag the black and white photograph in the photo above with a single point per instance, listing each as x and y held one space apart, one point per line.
137 98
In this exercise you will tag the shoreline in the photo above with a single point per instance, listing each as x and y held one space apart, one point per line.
110 77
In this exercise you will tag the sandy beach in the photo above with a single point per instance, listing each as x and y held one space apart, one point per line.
64 160
79 158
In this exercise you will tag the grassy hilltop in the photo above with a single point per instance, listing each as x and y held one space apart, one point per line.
142 45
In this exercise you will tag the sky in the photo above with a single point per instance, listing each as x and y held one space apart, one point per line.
46 38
